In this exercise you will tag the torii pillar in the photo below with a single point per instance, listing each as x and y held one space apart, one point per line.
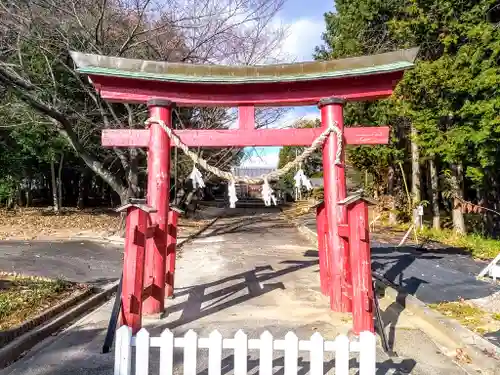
158 197
337 249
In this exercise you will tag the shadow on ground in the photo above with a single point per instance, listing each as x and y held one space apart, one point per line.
254 281
244 226
87 360
432 275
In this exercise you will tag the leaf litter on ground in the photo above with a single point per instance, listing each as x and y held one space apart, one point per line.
24 297
44 223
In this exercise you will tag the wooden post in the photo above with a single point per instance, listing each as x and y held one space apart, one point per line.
133 263
359 249
322 254
173 216
158 197
335 191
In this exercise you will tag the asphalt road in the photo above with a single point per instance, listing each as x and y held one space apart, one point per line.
433 276
79 261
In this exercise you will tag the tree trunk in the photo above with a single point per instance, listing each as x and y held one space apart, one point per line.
390 192
82 189
415 167
28 194
133 174
54 186
457 214
436 219
59 180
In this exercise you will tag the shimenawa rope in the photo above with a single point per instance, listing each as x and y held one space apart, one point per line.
228 176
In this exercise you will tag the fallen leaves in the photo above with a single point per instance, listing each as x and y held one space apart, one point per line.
299 208
43 223
33 223
469 315
462 356
22 298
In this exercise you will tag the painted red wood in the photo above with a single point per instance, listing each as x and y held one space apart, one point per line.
158 198
335 191
244 138
343 230
133 268
322 254
369 87
246 117
173 217
359 244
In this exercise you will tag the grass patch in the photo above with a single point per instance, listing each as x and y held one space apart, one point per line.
479 246
470 316
22 298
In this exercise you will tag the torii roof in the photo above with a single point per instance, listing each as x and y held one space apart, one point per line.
92 65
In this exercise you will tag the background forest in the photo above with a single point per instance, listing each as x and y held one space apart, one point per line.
445 113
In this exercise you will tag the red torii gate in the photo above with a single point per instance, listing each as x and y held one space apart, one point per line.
148 266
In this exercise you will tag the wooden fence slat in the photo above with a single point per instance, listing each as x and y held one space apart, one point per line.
215 353
291 353
266 345
317 354
240 353
118 353
123 351
142 352
167 353
266 354
368 353
190 352
342 355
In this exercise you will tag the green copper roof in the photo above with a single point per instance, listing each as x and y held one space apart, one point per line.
190 73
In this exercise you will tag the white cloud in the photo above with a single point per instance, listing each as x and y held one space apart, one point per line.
302 36
296 114
262 160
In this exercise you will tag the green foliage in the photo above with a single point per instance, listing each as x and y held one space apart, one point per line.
451 97
7 188
478 246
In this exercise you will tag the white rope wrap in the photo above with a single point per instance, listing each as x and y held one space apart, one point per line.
302 180
274 175
232 194
197 178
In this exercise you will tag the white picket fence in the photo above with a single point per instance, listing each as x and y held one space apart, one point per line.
241 344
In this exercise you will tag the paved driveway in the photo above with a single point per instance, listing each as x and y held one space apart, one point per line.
80 261
249 271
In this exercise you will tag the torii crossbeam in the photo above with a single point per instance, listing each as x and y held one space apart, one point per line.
328 84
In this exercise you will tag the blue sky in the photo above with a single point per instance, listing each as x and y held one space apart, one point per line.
305 24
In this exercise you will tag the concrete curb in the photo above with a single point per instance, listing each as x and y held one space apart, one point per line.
455 336
15 348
